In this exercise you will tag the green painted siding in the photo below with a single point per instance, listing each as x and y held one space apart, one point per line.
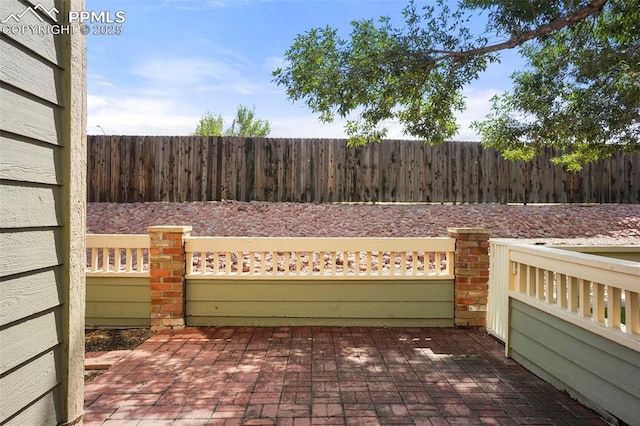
318 302
118 302
595 370
32 238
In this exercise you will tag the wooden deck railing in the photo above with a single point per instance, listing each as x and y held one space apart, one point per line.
326 258
586 290
117 254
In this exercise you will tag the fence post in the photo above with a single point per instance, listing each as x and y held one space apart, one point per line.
472 275
167 267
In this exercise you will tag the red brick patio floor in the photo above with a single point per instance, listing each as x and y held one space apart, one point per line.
325 376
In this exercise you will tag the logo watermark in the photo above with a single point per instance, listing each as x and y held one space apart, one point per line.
38 20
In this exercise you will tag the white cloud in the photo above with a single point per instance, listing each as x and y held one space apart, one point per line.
183 71
137 116
228 74
305 127
478 106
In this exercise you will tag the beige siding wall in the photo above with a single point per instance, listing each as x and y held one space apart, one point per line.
595 370
118 302
317 302
41 220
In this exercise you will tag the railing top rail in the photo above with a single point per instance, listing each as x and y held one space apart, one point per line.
621 273
626 248
574 244
117 240
438 244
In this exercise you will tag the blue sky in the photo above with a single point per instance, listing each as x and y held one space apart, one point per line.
176 59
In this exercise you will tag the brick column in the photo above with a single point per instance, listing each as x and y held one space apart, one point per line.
472 275
167 260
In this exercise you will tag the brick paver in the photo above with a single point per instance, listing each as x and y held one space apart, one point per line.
325 376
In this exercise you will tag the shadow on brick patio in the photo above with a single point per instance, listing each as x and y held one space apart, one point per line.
325 375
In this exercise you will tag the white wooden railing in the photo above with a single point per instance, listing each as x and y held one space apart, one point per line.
498 302
586 290
117 254
311 258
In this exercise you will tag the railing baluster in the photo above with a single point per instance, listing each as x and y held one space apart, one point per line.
561 286
334 260
252 263
189 265
94 259
573 296
140 260
584 288
598 302
106 261
392 263
369 264
537 284
227 262
117 263
128 259
632 312
403 263
287 262
549 289
523 278
414 263
614 295
345 263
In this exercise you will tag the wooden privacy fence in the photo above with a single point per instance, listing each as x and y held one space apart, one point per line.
190 168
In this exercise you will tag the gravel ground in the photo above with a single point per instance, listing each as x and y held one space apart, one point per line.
600 224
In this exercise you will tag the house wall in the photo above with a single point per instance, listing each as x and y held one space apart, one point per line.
42 211
317 302
118 302
595 370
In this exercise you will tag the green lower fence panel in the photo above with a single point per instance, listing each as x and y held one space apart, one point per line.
371 302
117 322
339 322
322 309
118 302
361 290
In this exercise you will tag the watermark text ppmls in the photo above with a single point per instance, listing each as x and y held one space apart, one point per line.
40 20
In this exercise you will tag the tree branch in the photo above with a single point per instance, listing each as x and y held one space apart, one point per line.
592 8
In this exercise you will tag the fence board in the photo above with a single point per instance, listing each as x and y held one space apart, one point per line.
187 168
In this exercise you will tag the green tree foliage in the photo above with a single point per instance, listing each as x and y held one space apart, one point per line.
209 125
579 91
244 124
